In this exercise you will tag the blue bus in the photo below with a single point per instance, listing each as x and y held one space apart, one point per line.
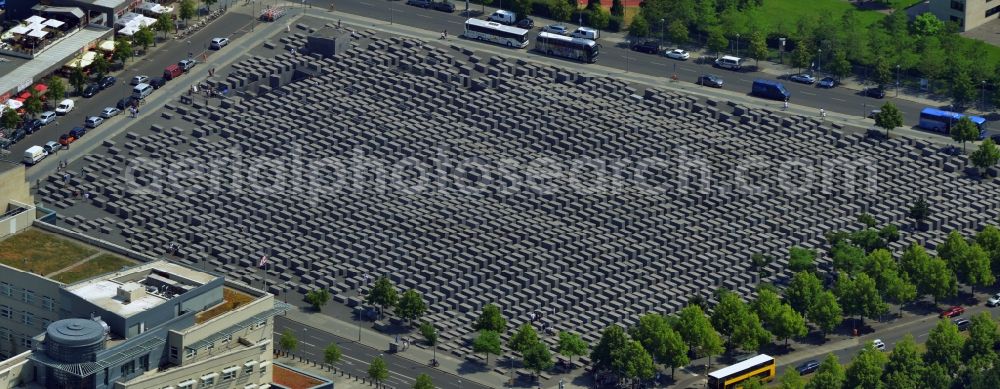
770 90
941 121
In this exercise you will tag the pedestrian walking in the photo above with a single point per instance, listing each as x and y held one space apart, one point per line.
338 20
786 105
822 113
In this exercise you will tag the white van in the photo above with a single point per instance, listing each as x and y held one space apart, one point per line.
34 154
729 62
503 17
142 90
586 33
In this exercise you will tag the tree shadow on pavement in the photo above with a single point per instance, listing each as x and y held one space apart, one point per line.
468 367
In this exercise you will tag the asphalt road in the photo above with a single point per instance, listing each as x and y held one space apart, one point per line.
840 100
356 357
152 65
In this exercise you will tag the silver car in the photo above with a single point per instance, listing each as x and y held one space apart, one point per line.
94 121
110 112
47 117
556 29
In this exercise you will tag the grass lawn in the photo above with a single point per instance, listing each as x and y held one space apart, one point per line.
788 12
904 4
232 299
105 263
40 252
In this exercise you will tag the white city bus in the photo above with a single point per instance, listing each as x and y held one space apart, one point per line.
583 50
497 33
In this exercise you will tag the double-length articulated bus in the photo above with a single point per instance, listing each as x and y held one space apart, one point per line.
732 377
495 32
583 50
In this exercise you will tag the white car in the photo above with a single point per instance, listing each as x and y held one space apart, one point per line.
110 112
678 54
993 301
879 345
218 43
556 29
139 79
64 107
94 121
47 117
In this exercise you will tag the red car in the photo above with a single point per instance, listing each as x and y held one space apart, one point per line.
952 312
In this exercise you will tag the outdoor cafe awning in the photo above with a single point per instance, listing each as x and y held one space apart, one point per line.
20 29
53 23
83 61
34 19
38 34
108 45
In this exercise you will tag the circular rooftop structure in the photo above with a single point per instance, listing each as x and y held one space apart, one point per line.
75 332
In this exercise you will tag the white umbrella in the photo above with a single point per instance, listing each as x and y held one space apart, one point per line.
53 23
35 19
38 34
14 104
108 45
20 29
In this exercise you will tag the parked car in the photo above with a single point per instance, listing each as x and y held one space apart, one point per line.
827 82
91 90
13 136
526 23
649 47
139 79
876 92
419 3
51 147
962 323
874 113
993 301
47 117
808 367
710 80
156 83
93 121
879 344
78 132
126 102
556 29
218 43
443 6
110 112
64 107
803 78
107 81
678 54
66 139
31 125
187 64
952 312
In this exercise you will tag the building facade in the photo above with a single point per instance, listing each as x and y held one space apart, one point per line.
968 14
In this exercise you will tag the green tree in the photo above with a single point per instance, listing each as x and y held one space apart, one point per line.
164 24
847 257
919 211
639 27
882 73
899 290
593 4
866 370
696 330
826 312
524 338
767 305
983 337
318 298
927 24
989 239
208 3
599 18
678 32
617 8
758 47
33 104
962 89
964 131
664 344
953 248
144 37
859 296
638 363
905 365
717 41
839 65
889 118
571 345
100 65
491 319
935 376
378 371
288 342
9 118
186 11
675 351
608 353
383 294
521 8
802 291
938 280
792 380
976 268
986 156
411 305
488 342
123 49
944 345
78 80
788 324
760 262
332 354
752 383
429 333
830 375
801 259
733 317
560 10
537 357
57 89
802 55
423 382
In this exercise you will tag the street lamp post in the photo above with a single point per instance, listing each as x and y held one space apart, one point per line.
782 51
897 80
819 61
982 97
737 45
662 23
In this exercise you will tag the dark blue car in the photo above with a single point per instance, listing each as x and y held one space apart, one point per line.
808 367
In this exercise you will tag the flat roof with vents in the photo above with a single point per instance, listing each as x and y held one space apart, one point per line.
140 288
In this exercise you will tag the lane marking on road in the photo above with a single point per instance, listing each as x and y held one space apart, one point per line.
689 70
423 16
808 93
834 98
366 3
744 80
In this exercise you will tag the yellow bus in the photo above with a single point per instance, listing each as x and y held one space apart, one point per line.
761 366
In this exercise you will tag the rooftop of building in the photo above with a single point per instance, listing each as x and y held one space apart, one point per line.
291 378
231 300
40 252
140 288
